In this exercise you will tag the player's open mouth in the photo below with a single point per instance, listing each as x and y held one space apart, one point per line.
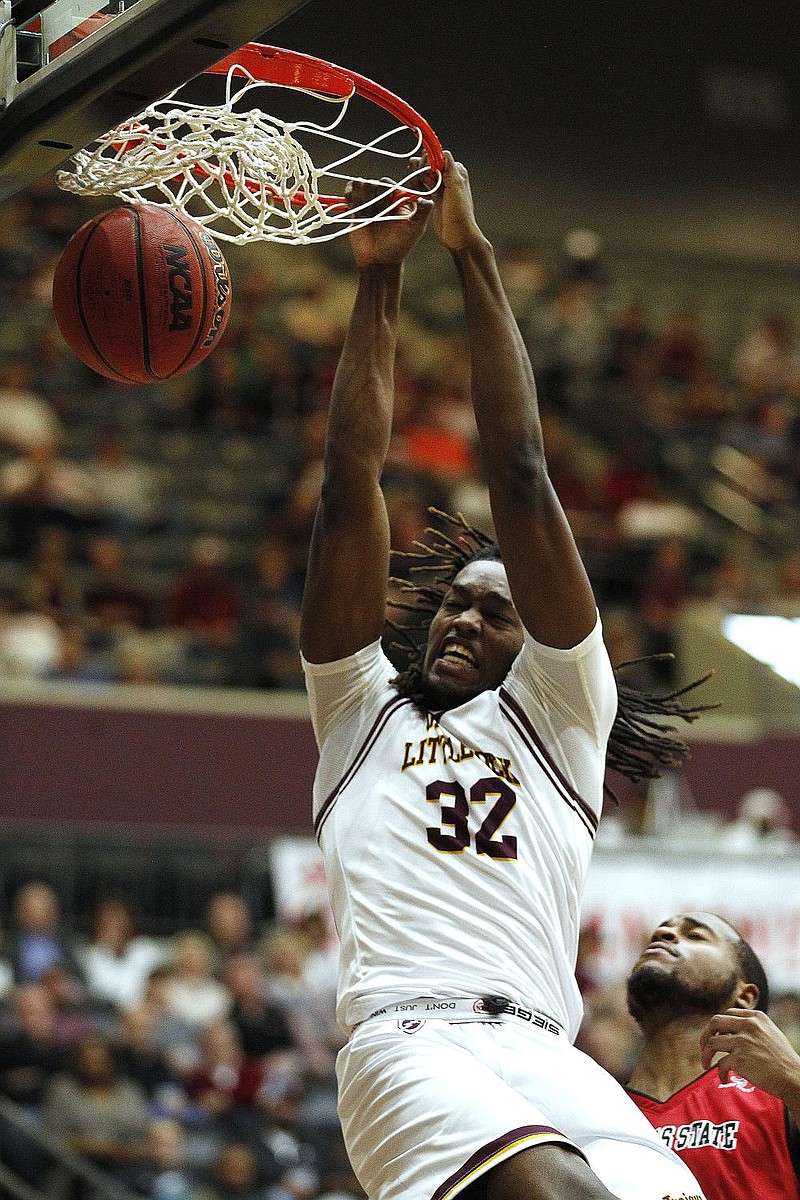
457 654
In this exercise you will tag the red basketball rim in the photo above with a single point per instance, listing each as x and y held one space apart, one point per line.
289 68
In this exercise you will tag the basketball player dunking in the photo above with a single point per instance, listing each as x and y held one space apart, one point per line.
456 804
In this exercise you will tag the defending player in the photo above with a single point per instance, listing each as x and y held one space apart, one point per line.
698 991
456 804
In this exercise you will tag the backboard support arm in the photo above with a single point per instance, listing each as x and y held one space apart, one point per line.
144 53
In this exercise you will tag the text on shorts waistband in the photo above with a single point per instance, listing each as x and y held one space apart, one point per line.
463 1009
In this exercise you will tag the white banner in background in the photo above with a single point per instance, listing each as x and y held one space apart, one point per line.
628 891
298 878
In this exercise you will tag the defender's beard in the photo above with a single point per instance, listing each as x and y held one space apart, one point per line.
650 988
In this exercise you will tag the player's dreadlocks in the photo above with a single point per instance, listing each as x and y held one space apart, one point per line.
640 745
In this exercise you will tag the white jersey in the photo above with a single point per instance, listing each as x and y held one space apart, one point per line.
456 846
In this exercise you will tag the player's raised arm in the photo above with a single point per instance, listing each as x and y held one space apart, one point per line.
345 593
549 585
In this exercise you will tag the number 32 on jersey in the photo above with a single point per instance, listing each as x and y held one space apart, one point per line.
454 812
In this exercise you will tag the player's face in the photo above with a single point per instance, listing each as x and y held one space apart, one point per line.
689 965
474 637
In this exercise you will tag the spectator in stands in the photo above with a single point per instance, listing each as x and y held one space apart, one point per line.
663 594
147 1063
41 488
17 242
127 488
74 1016
173 1036
408 519
574 337
98 1113
31 1054
765 362
35 941
700 997
303 491
608 1035
441 438
30 642
267 652
26 419
623 480
681 349
629 352
165 1174
261 1022
705 410
320 964
763 823
314 1026
191 991
114 601
31 1050
204 605
76 663
117 959
215 401
236 1176
622 634
526 278
764 436
229 924
49 585
236 1093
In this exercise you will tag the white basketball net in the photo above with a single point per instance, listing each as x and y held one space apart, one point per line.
243 174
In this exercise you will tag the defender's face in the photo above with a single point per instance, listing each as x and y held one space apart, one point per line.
474 637
690 960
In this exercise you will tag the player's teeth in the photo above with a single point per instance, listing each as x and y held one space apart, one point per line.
456 652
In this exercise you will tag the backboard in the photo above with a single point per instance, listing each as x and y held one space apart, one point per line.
149 48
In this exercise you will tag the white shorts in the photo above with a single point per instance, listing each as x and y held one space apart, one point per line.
429 1105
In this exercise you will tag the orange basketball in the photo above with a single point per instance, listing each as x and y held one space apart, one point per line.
141 294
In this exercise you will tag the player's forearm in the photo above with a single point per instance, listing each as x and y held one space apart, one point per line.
361 406
503 385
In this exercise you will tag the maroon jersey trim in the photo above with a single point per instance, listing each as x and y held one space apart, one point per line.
378 725
495 1152
517 717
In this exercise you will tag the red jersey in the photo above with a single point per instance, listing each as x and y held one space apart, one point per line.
737 1140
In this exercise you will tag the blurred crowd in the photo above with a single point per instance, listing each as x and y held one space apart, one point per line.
200 1066
194 1067
160 533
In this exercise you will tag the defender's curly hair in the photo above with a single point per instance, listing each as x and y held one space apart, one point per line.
640 746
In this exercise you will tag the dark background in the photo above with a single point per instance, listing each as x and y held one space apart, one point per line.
663 126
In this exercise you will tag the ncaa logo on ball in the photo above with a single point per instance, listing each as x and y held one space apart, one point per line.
180 286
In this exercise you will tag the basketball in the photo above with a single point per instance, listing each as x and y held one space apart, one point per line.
141 294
